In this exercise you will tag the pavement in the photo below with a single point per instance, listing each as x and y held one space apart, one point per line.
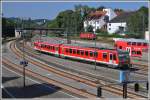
12 87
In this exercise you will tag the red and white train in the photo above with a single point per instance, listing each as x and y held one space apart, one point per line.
135 47
111 57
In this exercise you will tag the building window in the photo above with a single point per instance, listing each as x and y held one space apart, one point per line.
97 22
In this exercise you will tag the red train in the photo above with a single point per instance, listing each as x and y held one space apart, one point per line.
135 47
111 57
87 35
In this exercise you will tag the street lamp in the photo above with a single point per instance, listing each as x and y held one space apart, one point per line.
95 44
23 62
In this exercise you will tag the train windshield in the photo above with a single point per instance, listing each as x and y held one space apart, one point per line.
124 56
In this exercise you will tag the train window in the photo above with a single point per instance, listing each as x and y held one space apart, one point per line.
139 44
120 47
110 55
133 52
48 47
56 48
96 54
42 45
35 44
67 50
133 43
70 50
74 51
139 52
91 53
86 53
114 56
105 55
78 52
144 44
53 47
129 43
81 52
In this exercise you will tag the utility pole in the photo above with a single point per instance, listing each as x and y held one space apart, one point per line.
24 62
143 24
95 45
23 54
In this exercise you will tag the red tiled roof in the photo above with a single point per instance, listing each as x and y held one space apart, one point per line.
96 14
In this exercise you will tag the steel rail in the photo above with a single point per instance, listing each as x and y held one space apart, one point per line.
88 82
48 80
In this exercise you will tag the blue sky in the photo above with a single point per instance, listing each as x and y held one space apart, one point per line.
50 10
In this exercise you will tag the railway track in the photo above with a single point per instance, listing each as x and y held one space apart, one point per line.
30 73
142 68
77 78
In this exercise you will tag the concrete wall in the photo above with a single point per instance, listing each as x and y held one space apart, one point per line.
114 27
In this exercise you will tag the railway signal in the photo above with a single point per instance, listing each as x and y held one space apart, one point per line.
24 63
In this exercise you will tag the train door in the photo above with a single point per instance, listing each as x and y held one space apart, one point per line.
110 58
129 50
56 50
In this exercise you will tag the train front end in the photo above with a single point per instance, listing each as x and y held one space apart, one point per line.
124 59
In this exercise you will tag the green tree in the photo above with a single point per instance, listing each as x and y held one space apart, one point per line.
138 22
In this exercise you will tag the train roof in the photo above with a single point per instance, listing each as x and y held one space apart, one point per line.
131 40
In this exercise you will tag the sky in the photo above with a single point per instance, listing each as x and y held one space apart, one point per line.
49 10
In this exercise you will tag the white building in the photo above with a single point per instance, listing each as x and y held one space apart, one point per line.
118 27
17 33
147 35
99 18
119 24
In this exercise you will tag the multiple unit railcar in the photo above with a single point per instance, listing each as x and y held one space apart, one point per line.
111 57
135 47
87 35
